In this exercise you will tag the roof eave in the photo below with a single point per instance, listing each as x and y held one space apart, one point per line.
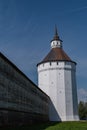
57 61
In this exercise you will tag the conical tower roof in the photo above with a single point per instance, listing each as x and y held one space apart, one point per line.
56 53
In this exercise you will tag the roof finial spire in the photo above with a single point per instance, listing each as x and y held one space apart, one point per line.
56 37
56 33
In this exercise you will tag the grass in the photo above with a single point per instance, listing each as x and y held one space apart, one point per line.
53 126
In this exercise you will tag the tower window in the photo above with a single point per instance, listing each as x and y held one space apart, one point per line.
57 63
67 63
51 82
50 63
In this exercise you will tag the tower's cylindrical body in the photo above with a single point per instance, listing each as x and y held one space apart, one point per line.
57 78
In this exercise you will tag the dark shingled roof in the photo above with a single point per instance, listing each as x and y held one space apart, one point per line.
56 54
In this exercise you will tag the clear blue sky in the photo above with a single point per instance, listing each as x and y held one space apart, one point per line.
27 27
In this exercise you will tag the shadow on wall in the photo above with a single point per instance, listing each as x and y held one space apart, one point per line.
53 114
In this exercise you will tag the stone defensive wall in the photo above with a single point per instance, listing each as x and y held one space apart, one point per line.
21 101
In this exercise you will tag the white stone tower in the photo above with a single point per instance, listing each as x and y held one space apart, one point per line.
57 78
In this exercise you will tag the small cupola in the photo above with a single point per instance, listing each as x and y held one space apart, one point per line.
56 42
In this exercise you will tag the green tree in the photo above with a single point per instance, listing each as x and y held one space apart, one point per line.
86 109
82 110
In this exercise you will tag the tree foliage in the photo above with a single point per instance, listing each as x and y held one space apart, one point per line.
82 110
